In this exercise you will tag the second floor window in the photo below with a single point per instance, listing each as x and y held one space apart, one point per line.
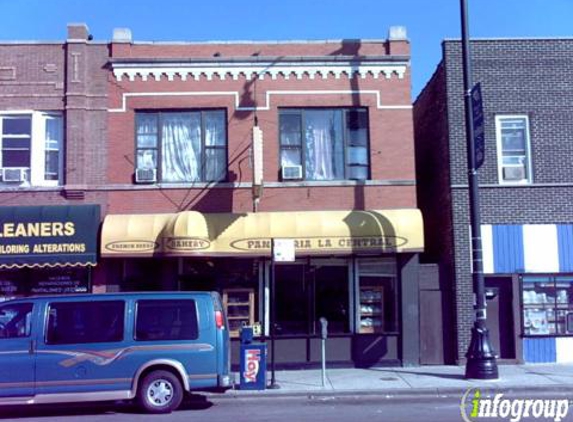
326 144
30 149
513 149
175 147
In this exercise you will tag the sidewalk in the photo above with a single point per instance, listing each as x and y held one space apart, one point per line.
422 380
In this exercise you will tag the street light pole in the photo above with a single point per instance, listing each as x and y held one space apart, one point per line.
481 360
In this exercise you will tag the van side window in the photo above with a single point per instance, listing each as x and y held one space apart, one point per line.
85 322
15 320
166 320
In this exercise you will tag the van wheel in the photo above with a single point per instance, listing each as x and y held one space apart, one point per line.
160 392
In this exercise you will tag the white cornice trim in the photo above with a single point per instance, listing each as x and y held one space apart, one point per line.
266 106
258 70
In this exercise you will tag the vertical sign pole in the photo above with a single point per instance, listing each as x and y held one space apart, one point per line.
481 362
273 384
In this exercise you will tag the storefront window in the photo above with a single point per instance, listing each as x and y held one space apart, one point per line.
62 281
292 290
237 280
377 296
331 299
39 281
306 292
547 305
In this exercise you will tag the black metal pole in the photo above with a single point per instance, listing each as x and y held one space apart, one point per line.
481 360
273 384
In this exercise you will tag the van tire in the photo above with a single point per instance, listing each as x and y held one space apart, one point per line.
160 392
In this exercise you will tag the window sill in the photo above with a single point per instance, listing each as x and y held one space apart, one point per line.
530 336
8 188
249 185
520 183
316 183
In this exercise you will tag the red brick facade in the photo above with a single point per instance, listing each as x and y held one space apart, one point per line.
391 138
99 88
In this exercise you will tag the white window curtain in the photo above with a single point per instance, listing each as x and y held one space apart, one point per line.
181 147
324 151
319 145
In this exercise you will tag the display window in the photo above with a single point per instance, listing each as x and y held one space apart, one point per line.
547 305
237 280
377 296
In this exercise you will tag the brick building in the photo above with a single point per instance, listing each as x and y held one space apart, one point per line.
203 157
337 176
53 129
525 187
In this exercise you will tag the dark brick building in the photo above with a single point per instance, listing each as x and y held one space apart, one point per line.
525 188
53 134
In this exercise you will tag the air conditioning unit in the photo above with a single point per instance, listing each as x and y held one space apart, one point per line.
291 172
145 175
14 175
514 174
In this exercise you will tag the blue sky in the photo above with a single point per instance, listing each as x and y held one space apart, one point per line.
428 22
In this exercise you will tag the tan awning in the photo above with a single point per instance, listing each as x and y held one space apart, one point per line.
133 234
190 233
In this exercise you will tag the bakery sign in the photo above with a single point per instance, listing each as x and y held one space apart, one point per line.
324 244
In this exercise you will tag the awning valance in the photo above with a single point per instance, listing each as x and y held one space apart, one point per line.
48 236
190 233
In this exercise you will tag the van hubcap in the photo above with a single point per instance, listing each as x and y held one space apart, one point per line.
160 392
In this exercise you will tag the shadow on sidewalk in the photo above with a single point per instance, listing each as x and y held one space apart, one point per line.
427 374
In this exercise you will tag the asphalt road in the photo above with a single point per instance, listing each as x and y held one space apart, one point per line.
252 409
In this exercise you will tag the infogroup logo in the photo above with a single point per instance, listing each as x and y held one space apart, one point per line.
477 405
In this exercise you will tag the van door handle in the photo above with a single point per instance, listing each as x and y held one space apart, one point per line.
32 347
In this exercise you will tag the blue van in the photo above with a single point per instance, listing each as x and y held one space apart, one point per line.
151 347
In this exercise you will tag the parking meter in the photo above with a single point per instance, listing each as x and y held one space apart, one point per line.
323 328
323 335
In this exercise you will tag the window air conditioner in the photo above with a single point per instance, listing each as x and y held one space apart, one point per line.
291 172
145 175
14 175
514 173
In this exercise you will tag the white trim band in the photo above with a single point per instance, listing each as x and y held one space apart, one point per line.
265 107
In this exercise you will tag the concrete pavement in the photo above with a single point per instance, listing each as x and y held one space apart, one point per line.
422 380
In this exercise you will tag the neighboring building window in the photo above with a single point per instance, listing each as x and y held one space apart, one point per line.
513 149
159 320
325 144
547 305
86 322
176 147
31 149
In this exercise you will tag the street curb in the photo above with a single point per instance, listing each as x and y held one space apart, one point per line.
400 394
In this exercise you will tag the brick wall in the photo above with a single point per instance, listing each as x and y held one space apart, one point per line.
391 130
69 77
520 76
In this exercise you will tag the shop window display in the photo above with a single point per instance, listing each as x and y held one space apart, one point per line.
547 305
377 309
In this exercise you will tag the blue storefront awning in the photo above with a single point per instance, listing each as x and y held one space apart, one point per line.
48 236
